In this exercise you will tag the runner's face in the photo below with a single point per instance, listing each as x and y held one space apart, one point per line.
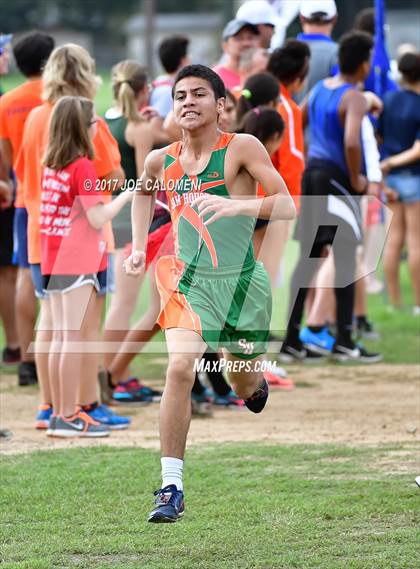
194 103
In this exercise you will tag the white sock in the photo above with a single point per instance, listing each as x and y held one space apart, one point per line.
172 471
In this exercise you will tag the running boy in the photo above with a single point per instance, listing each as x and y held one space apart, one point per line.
212 292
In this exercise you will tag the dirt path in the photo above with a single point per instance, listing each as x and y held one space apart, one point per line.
344 405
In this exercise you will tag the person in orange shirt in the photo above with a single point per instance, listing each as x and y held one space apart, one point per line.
31 53
69 71
290 65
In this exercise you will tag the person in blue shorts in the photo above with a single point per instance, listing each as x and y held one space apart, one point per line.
399 128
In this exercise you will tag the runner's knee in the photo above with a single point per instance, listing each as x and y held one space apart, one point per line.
180 371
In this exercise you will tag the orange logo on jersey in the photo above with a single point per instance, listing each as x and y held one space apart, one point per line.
213 175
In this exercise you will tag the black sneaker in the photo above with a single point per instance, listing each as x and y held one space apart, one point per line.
366 330
369 357
289 354
258 399
27 374
10 356
169 505
347 352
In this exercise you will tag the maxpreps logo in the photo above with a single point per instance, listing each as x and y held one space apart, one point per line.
234 366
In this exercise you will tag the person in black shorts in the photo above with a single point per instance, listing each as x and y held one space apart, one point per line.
332 182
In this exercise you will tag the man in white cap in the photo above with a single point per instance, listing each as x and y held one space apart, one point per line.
317 18
261 14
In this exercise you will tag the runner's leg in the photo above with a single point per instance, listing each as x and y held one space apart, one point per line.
244 383
175 407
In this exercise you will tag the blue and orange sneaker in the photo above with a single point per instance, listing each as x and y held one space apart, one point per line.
169 505
42 421
103 414
258 399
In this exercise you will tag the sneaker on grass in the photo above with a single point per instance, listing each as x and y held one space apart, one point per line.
169 505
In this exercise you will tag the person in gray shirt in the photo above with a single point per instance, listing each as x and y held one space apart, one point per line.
318 19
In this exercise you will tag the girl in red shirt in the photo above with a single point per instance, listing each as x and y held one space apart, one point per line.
73 255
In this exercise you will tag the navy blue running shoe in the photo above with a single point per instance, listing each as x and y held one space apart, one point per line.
169 505
258 399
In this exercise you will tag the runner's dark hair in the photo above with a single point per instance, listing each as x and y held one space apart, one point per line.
202 72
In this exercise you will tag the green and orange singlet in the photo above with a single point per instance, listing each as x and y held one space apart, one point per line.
225 243
213 284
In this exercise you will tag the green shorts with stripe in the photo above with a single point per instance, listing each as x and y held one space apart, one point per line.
229 307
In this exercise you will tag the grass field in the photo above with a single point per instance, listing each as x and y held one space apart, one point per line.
248 506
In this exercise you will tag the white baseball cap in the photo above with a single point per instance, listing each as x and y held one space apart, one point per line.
257 12
323 9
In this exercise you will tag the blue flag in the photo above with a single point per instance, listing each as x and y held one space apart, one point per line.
378 80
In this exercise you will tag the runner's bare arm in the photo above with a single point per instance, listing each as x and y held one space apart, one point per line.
142 210
251 155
